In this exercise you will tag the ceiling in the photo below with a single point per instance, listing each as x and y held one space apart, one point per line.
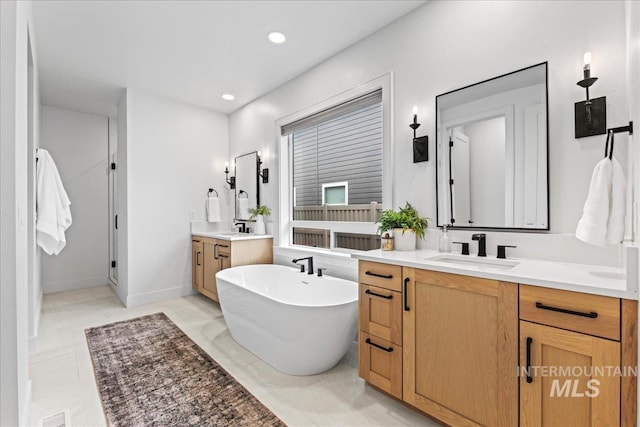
191 51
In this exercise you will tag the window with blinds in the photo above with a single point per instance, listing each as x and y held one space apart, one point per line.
337 171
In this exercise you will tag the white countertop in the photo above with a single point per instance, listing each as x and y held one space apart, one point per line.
230 235
591 279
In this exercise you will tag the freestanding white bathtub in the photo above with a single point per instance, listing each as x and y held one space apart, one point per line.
298 323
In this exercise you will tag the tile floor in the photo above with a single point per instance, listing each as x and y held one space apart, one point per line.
62 374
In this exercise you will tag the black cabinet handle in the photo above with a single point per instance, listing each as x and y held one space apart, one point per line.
197 258
223 256
383 276
388 350
591 315
116 222
368 292
405 294
223 246
529 377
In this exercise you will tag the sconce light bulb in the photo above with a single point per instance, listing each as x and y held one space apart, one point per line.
415 110
587 60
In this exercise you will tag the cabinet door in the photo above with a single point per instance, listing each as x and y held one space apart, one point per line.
211 267
197 264
571 383
460 348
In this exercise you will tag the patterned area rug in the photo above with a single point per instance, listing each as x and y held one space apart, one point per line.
149 373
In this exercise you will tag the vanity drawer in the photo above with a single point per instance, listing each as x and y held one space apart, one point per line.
222 247
382 275
380 364
590 314
380 313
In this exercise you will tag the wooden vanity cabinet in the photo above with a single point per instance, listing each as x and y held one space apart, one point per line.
461 348
218 254
466 343
573 342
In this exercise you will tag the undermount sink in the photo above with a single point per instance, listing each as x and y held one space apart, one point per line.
472 260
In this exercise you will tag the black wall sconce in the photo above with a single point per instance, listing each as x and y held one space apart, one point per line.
420 143
591 114
231 180
263 173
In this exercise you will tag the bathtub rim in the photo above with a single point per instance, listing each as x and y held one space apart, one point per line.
306 306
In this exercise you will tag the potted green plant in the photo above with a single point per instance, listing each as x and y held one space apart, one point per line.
258 213
406 224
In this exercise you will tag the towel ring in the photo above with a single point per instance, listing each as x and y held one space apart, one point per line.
241 192
211 190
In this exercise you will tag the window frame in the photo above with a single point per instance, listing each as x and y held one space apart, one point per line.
343 184
285 222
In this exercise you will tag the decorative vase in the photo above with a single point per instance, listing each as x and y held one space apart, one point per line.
404 241
259 227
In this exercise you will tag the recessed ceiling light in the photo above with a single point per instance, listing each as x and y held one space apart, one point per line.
277 38
228 97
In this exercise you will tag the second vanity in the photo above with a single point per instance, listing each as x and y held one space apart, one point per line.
215 251
473 341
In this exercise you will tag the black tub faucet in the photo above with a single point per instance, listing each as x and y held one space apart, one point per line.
482 243
309 260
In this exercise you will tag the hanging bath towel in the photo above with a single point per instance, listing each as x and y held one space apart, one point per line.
52 205
617 209
592 227
213 209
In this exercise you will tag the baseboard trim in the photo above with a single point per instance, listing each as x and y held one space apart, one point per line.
87 282
160 295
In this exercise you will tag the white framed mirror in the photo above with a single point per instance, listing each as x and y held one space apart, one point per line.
492 153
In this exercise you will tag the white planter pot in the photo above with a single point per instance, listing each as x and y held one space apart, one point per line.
404 241
259 227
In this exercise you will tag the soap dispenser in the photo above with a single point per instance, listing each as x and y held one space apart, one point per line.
445 241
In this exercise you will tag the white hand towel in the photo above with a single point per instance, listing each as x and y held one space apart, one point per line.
592 227
243 208
53 206
617 210
213 209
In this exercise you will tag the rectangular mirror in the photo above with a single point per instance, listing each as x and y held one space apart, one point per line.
491 156
247 188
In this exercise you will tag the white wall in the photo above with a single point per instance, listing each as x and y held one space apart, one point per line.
78 143
15 389
446 45
174 153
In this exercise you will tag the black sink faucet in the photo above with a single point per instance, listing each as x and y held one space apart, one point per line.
242 226
482 243
309 260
